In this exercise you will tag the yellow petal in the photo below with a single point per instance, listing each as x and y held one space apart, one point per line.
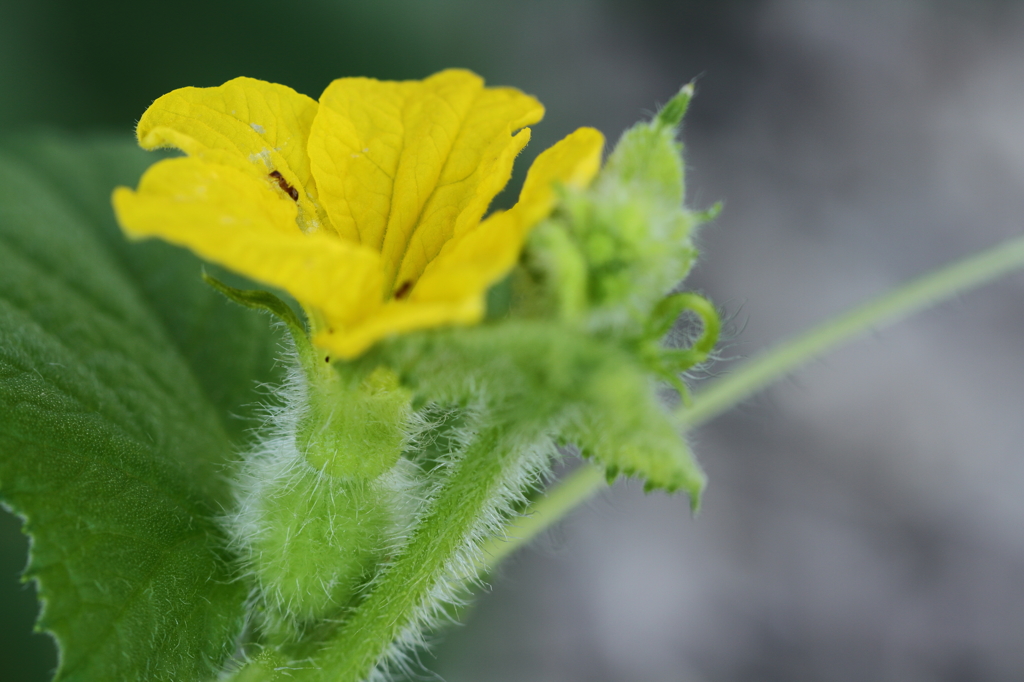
466 267
403 166
397 317
477 261
227 216
252 125
573 161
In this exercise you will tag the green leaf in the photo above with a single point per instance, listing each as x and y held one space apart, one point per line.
627 431
228 348
120 373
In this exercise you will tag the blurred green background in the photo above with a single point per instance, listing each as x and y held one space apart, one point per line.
89 66
863 521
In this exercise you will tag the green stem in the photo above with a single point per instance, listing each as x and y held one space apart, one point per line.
758 373
567 495
397 597
934 287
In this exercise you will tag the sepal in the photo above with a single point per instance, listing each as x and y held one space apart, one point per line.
257 299
671 115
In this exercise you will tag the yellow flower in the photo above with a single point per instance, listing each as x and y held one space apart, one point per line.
367 207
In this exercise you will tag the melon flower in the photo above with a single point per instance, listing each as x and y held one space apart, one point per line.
367 206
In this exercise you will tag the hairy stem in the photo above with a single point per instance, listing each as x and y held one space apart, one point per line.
758 373
403 592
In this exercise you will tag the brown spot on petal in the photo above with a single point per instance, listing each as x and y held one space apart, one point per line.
403 290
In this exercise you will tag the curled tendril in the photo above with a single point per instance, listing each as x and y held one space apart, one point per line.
670 363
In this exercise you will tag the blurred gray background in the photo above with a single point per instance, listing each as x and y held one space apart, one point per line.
865 519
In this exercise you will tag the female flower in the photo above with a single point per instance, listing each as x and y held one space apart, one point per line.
366 206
